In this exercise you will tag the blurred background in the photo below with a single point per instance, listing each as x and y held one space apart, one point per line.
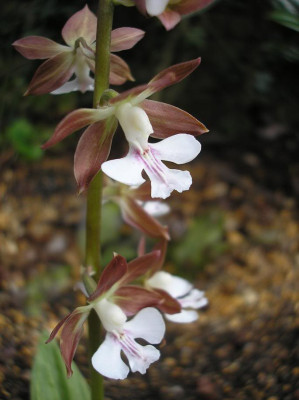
235 234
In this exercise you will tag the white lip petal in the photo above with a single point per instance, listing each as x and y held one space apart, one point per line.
107 360
185 316
179 149
126 170
74 85
146 356
174 285
155 7
147 324
195 299
68 87
173 179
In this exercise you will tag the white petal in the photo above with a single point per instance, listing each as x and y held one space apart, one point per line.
195 299
107 360
147 324
179 149
155 7
146 356
174 180
126 170
135 124
68 87
174 285
111 315
86 85
156 208
74 85
185 316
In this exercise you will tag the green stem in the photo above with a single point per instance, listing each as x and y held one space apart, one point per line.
94 195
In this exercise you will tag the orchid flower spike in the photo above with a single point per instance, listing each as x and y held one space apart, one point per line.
140 118
76 57
170 12
114 301
190 299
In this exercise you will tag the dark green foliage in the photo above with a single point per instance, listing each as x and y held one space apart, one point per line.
286 13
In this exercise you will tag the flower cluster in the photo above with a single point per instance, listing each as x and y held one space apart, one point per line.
129 297
116 299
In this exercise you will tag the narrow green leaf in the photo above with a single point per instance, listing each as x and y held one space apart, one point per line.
49 380
286 19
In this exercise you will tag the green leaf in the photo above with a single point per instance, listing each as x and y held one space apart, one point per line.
25 139
49 380
286 19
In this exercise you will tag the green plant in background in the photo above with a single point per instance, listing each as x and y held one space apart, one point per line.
286 13
202 242
24 138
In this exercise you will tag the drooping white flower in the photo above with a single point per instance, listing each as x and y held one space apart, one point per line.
180 149
147 324
189 298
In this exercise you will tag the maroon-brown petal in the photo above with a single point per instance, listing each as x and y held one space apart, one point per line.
38 47
125 38
82 24
52 74
119 71
140 266
132 299
173 74
141 246
70 336
165 78
168 120
168 304
190 6
92 150
161 246
135 216
113 273
57 328
72 122
169 19
127 94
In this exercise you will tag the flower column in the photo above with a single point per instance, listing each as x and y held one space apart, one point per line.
94 195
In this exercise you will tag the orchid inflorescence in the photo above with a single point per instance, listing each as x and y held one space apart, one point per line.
115 299
129 297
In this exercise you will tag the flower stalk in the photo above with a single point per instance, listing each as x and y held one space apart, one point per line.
94 194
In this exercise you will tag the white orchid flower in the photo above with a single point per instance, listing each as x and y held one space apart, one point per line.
142 155
147 324
190 299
